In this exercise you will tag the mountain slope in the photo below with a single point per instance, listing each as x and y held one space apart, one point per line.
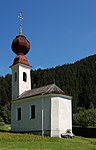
77 80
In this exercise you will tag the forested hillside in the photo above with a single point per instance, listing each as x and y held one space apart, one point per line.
77 80
5 98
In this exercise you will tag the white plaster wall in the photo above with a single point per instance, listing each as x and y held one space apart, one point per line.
15 85
65 115
54 116
24 86
47 112
20 86
27 124
61 115
57 114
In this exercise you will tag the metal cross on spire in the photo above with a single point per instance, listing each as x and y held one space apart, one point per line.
20 17
20 21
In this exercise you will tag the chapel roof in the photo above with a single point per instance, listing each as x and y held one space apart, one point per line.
48 89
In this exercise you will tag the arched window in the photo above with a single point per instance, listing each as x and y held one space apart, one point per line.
15 76
24 77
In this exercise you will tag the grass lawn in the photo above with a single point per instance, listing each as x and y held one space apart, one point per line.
10 141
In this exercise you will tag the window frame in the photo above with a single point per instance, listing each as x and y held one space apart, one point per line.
18 116
24 76
32 114
15 76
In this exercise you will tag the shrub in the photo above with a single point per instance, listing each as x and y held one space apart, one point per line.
85 117
1 119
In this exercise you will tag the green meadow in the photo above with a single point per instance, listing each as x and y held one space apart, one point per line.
11 141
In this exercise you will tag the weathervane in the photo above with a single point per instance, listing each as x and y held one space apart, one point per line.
20 21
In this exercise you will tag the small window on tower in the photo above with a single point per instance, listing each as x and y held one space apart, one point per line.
24 77
15 76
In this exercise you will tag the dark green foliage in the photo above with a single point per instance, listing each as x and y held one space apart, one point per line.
1 119
85 117
77 80
5 97
5 113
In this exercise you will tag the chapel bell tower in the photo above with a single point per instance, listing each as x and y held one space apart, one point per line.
21 78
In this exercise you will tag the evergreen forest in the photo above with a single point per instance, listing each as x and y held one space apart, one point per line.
77 80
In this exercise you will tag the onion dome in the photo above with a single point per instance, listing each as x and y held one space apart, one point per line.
21 59
20 45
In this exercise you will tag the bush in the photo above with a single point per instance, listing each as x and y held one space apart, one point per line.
5 113
85 117
1 119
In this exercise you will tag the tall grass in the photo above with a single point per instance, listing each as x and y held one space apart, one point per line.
10 141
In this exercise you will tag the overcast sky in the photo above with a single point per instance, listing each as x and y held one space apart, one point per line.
59 31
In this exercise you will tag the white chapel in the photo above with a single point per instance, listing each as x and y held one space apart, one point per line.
45 110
